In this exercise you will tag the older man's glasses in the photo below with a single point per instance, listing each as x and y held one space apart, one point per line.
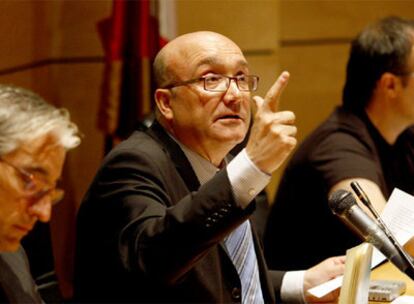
221 83
35 188
405 74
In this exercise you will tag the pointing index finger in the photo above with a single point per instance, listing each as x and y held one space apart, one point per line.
272 98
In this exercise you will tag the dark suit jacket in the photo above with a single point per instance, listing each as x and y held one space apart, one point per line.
147 231
16 282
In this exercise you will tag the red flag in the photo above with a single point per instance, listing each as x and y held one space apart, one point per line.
131 39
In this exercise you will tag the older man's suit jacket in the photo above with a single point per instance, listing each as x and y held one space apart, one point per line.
16 282
147 231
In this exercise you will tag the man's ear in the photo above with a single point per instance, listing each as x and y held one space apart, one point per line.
163 101
390 85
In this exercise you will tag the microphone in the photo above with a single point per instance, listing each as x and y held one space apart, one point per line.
344 205
366 201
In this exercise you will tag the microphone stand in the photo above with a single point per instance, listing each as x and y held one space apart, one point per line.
365 200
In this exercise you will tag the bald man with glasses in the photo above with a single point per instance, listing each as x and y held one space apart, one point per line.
166 219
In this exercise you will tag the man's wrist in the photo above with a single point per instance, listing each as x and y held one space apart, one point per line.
292 287
245 178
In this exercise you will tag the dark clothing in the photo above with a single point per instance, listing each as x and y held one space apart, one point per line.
16 282
345 146
38 247
147 231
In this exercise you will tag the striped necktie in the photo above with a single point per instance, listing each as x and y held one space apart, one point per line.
240 248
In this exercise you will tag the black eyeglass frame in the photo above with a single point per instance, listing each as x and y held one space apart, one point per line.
203 78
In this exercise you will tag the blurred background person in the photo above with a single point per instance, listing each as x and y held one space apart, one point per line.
34 138
369 139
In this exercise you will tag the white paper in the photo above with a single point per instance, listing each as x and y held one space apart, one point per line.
325 288
403 300
398 215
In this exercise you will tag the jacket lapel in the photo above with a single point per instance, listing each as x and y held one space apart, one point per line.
178 157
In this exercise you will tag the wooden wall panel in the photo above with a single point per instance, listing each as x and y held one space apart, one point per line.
253 25
77 27
17 19
315 86
310 19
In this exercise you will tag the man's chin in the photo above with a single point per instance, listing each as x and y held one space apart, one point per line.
231 137
9 245
231 133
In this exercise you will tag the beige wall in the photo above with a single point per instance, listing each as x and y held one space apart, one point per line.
308 38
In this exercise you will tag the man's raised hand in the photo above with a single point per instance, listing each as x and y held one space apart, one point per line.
272 137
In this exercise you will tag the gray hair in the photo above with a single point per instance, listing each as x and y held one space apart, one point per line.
24 116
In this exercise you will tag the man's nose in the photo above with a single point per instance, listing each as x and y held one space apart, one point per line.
233 92
42 209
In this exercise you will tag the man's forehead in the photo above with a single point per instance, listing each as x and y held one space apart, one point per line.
40 145
43 155
200 37
219 60
205 50
208 41
40 150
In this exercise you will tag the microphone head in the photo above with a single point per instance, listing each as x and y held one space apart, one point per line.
340 201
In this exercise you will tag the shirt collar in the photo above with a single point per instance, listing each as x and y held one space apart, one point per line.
203 169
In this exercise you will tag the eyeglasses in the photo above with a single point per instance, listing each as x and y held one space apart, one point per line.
35 188
221 83
406 74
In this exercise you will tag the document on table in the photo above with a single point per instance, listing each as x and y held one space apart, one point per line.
403 300
398 215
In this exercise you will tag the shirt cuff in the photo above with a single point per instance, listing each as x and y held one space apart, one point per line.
292 287
246 179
